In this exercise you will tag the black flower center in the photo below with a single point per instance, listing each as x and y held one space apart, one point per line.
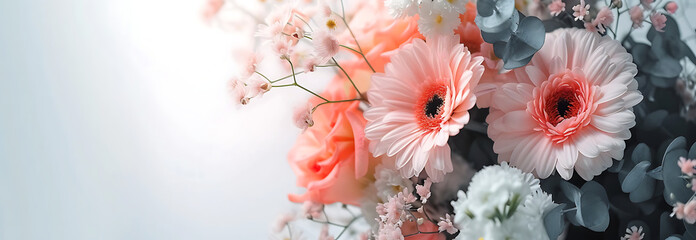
563 106
432 108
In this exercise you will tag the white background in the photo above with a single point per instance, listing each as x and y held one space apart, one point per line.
116 124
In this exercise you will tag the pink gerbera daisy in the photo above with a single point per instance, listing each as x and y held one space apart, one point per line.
422 98
570 108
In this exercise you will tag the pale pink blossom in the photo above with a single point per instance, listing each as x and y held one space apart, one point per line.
690 212
686 166
406 196
659 21
256 87
678 210
238 91
693 184
591 27
312 209
446 224
324 9
282 47
325 45
299 33
424 190
324 234
636 14
211 9
556 7
567 110
603 19
283 221
671 7
311 64
422 98
303 117
634 233
646 3
389 232
275 23
580 10
251 62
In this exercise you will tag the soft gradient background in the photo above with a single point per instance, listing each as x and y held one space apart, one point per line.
116 124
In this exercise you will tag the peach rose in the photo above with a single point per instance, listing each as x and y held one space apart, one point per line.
469 33
379 35
331 158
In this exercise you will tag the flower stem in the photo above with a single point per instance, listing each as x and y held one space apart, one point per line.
346 227
337 101
294 79
349 79
286 77
264 76
363 56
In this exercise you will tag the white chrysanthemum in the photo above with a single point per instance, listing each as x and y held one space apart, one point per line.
538 203
483 211
493 186
401 8
453 6
389 182
434 19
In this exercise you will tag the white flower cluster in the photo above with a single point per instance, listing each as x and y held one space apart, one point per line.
502 203
436 17
389 183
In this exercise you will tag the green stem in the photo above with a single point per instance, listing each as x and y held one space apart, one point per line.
286 77
349 79
264 76
419 232
327 222
284 85
361 54
337 101
346 227
294 79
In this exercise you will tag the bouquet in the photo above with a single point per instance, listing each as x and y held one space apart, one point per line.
488 119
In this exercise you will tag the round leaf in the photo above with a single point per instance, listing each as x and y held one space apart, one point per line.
553 222
497 17
675 186
594 214
667 225
641 153
485 8
635 177
654 120
644 192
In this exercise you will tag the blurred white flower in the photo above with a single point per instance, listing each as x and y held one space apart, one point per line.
389 182
437 20
402 8
502 203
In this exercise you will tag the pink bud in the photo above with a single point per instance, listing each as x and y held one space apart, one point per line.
671 7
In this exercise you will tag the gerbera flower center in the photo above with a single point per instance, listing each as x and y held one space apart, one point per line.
561 105
430 105
434 106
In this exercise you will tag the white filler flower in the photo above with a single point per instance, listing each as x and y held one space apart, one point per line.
502 203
